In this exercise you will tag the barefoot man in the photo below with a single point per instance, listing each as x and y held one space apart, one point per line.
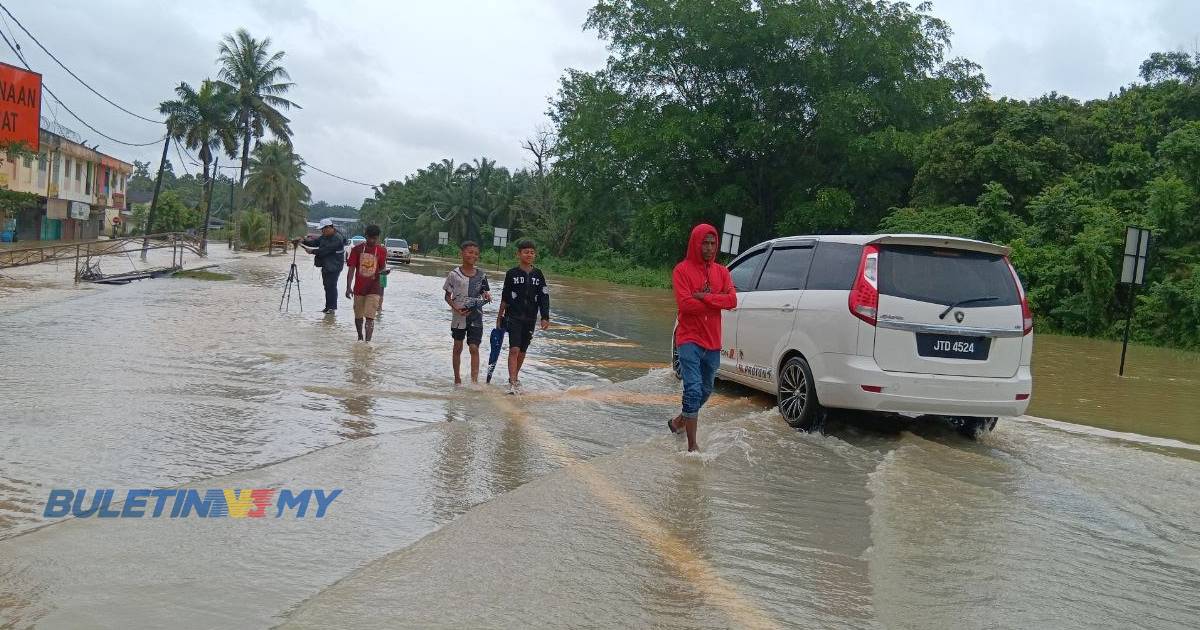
703 289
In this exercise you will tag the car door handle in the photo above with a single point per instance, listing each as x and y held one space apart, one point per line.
787 308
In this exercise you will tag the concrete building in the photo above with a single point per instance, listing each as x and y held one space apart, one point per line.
80 190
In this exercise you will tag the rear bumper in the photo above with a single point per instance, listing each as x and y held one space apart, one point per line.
840 382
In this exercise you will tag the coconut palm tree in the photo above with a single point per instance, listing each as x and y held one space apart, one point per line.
204 121
175 111
274 183
254 74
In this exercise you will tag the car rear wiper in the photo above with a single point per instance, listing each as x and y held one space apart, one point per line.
990 298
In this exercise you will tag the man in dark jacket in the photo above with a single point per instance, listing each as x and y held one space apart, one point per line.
330 251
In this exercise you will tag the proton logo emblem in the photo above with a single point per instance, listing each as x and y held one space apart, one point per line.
959 316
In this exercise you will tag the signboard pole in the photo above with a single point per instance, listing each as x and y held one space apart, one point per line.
1128 320
499 241
1133 272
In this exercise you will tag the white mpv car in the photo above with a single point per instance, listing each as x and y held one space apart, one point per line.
909 324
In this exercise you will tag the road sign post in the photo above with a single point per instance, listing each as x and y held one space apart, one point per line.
499 241
731 236
443 238
1133 273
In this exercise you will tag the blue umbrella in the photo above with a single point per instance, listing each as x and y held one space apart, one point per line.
497 341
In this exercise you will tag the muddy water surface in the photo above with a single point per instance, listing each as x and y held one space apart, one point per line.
569 506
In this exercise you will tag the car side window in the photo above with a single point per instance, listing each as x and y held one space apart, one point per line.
745 271
834 266
787 269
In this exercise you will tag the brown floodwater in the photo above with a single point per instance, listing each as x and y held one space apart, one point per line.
569 506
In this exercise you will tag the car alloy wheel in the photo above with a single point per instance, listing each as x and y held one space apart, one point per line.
797 399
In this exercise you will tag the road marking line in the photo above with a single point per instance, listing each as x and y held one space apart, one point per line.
609 363
588 342
571 328
671 548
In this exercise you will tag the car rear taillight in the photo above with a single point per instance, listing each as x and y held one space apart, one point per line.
864 297
1026 314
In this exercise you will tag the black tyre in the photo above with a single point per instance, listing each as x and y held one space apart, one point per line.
973 428
797 396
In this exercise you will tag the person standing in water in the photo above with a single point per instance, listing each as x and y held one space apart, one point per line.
329 249
526 295
367 264
466 290
703 289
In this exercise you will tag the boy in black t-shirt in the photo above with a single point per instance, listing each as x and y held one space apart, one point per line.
526 295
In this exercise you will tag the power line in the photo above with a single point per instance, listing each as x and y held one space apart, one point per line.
69 71
214 176
338 176
102 135
182 163
47 90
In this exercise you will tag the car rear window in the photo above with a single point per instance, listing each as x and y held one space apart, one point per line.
946 276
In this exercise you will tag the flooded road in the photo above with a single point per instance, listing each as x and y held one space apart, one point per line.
565 507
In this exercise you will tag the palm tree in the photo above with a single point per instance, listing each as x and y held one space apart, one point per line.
252 229
204 120
176 125
258 82
274 183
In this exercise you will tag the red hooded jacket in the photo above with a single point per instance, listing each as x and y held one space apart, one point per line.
700 320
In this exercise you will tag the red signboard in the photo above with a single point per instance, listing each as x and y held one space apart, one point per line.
20 106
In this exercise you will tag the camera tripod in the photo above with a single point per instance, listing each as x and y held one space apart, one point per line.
293 276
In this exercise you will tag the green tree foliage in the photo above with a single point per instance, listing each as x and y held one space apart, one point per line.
753 109
253 229
12 202
831 212
1060 181
258 82
274 184
461 199
319 210
172 215
204 120
843 116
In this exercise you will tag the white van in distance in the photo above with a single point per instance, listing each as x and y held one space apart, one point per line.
901 323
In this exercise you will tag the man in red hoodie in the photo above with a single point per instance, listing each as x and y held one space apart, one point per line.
703 289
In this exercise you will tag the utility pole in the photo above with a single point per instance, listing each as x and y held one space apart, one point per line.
208 206
470 212
232 214
154 200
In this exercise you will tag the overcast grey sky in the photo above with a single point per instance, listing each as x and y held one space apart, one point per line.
390 86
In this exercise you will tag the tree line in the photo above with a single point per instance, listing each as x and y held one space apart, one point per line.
843 116
223 118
